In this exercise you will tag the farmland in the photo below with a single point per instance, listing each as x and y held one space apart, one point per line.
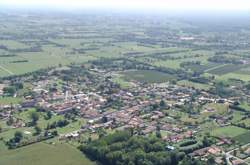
90 82
243 138
42 153
51 47
148 76
229 131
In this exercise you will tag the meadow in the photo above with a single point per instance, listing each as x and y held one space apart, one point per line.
148 76
228 131
56 43
43 153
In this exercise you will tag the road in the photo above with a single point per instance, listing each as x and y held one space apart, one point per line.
228 155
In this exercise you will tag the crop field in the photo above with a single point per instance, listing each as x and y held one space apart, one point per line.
228 76
56 43
194 85
42 153
228 131
243 138
148 76
202 68
246 122
226 69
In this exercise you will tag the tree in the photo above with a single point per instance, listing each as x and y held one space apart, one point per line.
34 117
211 161
49 115
10 121
158 130
1 128
206 142
234 152
18 85
162 104
55 133
9 90
18 136
248 86
38 130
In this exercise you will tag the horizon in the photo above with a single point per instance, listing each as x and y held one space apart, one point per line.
137 5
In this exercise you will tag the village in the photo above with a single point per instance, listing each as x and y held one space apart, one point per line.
170 111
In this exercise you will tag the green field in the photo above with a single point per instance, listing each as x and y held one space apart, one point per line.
224 69
43 154
42 123
243 138
228 131
194 84
148 76
9 100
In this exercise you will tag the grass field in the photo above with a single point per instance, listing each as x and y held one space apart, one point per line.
228 131
9 100
147 76
243 138
224 69
43 154
42 123
193 84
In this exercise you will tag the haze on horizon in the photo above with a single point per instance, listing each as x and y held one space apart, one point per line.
218 5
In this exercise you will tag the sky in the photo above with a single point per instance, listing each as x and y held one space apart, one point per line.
136 4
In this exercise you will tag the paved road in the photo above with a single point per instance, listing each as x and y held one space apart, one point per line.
228 155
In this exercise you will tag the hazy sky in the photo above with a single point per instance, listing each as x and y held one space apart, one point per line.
137 4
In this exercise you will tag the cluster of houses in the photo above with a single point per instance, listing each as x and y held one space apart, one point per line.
140 107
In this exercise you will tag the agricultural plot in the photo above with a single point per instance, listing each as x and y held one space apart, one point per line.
36 61
202 68
42 153
148 76
9 100
193 84
228 131
243 138
226 69
11 44
43 123
228 76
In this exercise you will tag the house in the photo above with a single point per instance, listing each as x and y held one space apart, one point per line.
214 150
247 151
169 148
200 152
1 89
237 162
28 104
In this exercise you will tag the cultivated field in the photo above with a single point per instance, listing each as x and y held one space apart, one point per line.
42 153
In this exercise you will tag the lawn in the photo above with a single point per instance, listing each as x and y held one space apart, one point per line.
44 154
228 131
119 80
9 100
42 123
194 84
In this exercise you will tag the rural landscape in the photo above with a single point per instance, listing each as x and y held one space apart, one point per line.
123 89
